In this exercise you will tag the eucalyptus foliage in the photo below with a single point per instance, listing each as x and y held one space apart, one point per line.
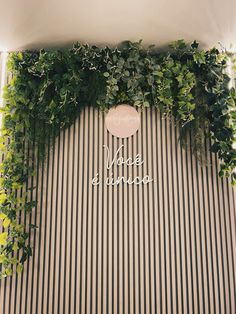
49 88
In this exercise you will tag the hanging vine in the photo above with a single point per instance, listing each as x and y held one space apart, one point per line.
49 89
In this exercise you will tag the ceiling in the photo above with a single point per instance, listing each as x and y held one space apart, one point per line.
48 23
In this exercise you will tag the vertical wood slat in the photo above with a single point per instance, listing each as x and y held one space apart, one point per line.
165 247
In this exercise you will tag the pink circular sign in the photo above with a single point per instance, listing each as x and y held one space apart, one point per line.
122 121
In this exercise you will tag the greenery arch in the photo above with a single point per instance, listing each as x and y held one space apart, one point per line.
49 88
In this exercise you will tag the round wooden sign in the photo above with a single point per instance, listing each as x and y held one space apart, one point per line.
122 121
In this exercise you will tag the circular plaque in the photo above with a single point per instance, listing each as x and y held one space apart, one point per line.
122 121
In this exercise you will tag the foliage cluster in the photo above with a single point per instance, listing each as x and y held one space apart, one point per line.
49 88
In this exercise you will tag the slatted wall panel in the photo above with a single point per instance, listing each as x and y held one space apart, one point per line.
165 247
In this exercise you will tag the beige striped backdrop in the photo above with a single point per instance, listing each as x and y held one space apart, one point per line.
165 247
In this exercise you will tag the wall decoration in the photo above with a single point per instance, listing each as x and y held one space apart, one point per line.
48 89
122 121
120 161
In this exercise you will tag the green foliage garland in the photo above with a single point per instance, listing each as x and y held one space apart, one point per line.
49 88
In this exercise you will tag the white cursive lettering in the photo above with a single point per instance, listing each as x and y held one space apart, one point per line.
120 161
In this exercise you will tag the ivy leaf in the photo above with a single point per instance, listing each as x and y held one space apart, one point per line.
3 238
13 261
33 226
8 271
195 45
2 216
179 44
199 57
19 268
6 222
3 259
3 198
158 73
15 247
16 185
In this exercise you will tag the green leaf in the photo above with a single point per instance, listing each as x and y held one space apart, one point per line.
16 185
6 222
15 247
19 268
195 45
3 259
3 198
2 216
33 226
8 271
13 261
158 73
3 238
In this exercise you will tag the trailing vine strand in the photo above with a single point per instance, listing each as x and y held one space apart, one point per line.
49 88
